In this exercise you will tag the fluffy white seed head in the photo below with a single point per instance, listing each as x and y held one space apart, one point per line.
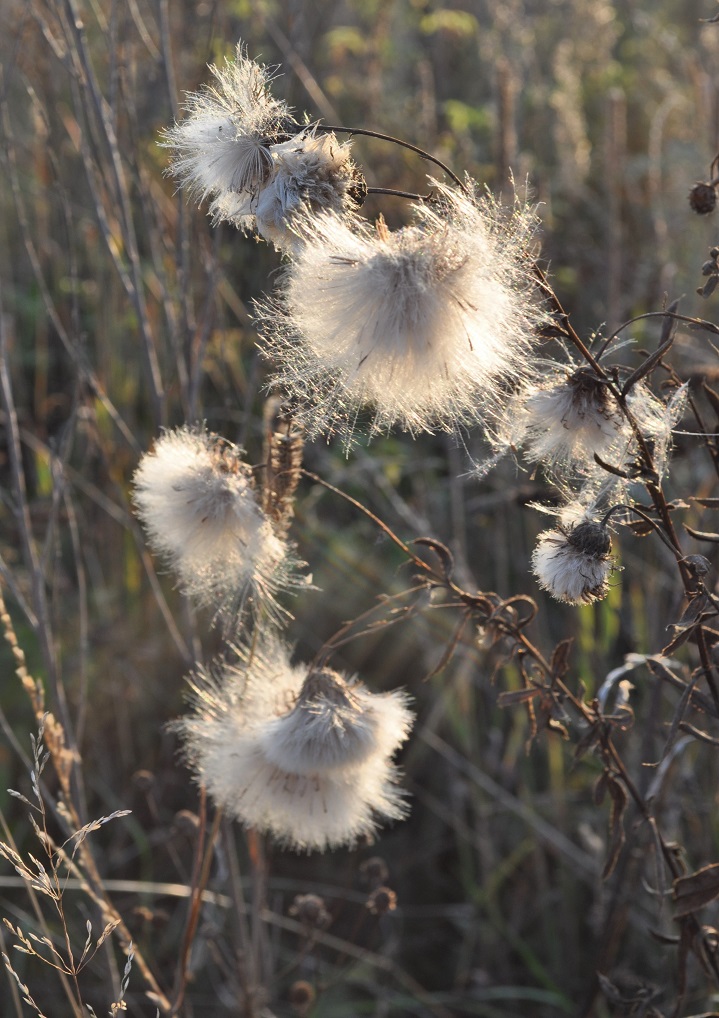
564 418
226 740
197 501
311 172
428 325
565 423
336 724
223 144
574 562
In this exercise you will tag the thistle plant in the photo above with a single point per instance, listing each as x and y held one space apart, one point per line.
433 321
446 323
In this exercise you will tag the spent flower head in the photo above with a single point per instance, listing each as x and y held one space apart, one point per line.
566 416
310 172
429 326
307 796
336 724
223 144
198 503
574 561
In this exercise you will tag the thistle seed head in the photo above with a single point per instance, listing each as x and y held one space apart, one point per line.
428 326
314 791
703 198
573 562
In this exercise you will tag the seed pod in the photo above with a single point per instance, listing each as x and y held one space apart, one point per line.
703 198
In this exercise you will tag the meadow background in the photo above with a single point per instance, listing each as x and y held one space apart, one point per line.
123 311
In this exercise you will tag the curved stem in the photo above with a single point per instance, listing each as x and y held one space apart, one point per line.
399 194
676 552
395 141
567 327
200 876
344 634
653 314
368 512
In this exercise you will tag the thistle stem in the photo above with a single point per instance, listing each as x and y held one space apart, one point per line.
395 141
398 194
655 314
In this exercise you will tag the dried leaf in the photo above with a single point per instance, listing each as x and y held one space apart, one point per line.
709 287
678 641
441 551
701 535
649 364
697 611
669 325
512 696
556 726
616 826
641 528
560 658
696 890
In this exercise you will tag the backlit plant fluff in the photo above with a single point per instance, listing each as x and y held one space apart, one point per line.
574 562
427 325
335 724
565 418
223 144
309 171
303 755
240 145
197 501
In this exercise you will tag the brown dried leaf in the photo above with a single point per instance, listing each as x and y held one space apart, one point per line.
711 284
694 610
649 364
560 658
696 890
441 551
512 696
679 640
556 726
701 535
697 611
616 826
640 528
669 324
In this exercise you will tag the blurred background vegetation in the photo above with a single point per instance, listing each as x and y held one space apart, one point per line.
123 311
